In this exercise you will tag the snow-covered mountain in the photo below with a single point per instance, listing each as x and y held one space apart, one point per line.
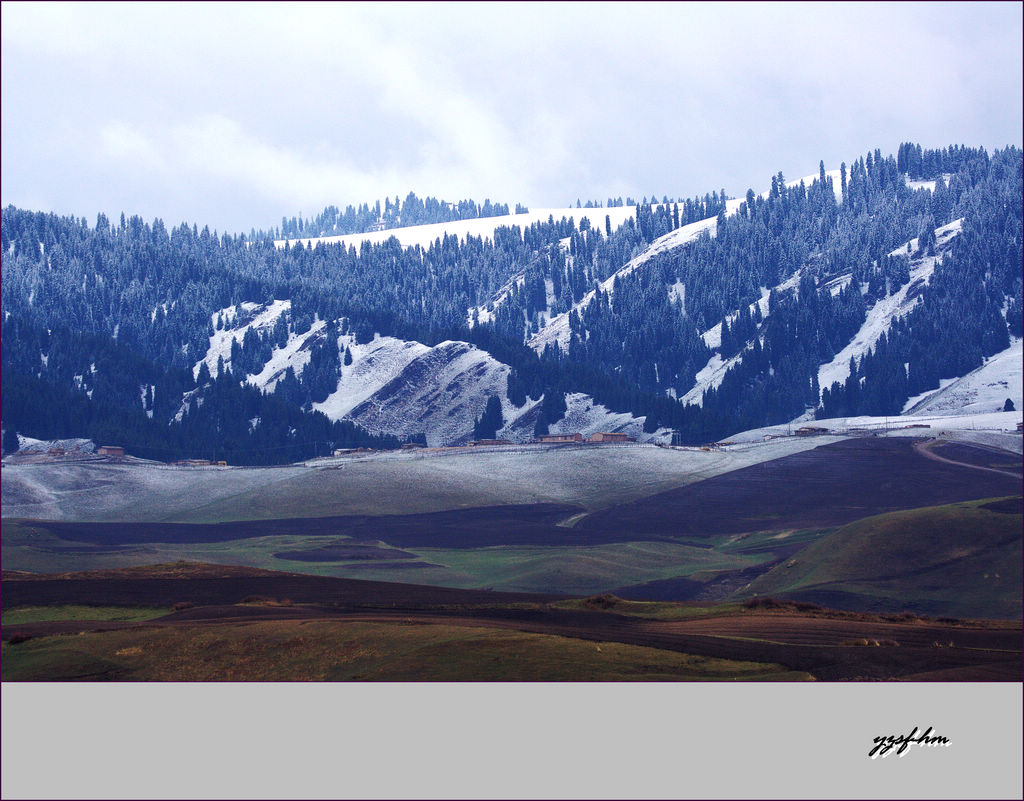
703 318
407 388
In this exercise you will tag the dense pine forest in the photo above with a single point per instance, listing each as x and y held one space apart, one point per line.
104 324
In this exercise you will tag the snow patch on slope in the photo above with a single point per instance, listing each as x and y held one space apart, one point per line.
263 317
374 365
295 353
892 307
711 375
915 184
678 292
439 392
980 391
713 336
485 314
587 417
483 227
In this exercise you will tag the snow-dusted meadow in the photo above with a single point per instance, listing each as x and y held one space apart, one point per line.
995 429
394 482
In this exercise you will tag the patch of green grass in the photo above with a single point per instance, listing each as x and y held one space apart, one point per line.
40 614
580 570
584 570
30 551
346 651
57 659
958 559
652 610
769 541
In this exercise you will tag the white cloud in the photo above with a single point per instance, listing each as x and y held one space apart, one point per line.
120 142
217 147
231 113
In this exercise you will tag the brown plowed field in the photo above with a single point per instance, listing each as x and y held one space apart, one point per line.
235 587
477 527
827 486
978 455
802 629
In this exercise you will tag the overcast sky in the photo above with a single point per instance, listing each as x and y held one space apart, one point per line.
235 115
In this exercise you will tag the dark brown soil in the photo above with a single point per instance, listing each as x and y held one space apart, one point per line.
978 455
459 528
1007 506
830 646
122 588
828 486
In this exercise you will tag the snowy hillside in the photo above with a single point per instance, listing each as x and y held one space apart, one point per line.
981 391
295 354
892 307
879 319
557 329
407 388
236 320
402 388
374 365
587 417
384 389
29 445
996 429
710 376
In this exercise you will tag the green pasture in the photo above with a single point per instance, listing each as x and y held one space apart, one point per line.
353 651
958 559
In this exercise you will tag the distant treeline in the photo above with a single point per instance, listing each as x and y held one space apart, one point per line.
393 214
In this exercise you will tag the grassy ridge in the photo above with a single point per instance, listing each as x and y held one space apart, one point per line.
585 570
960 559
345 651
39 614
649 610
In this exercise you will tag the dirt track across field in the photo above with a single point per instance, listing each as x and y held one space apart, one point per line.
973 456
